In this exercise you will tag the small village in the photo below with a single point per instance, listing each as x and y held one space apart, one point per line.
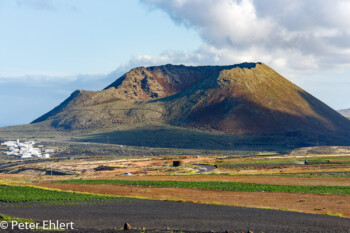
26 149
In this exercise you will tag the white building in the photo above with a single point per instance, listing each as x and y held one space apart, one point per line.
26 156
49 151
24 150
9 144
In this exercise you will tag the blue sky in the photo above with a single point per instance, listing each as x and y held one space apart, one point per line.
49 48
66 37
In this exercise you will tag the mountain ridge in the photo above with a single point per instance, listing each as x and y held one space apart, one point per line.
237 99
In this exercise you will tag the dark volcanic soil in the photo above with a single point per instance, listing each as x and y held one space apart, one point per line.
160 215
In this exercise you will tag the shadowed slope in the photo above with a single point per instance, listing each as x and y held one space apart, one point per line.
251 101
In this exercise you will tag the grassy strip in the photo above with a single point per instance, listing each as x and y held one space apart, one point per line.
25 194
335 175
229 186
307 175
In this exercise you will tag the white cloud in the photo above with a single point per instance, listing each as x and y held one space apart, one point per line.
292 36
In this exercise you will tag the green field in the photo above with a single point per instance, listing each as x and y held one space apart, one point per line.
26 194
308 175
228 186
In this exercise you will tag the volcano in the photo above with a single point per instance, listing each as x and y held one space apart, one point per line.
247 98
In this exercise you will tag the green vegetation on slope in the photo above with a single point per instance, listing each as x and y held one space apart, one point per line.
26 194
228 186
165 136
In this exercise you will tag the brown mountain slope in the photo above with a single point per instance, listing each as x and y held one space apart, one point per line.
161 81
238 99
252 100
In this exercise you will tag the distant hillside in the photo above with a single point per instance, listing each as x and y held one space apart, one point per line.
237 99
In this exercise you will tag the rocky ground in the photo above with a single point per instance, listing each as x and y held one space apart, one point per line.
151 215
